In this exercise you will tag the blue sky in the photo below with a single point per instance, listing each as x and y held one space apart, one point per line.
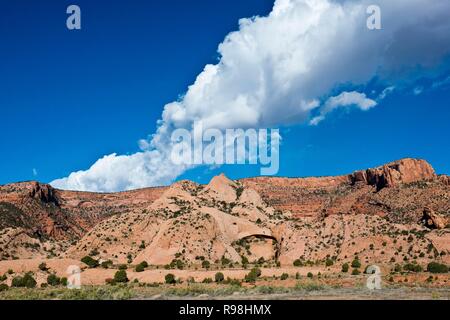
67 98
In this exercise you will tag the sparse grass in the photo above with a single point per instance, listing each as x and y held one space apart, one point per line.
61 293
186 290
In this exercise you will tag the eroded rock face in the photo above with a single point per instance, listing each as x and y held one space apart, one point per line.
395 173
433 220
273 218
44 193
445 179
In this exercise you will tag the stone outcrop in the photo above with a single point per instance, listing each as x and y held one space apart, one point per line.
274 218
445 179
433 220
44 193
395 173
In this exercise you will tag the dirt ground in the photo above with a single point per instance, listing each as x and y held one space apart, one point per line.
296 284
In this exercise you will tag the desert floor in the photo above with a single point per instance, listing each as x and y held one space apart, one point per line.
322 283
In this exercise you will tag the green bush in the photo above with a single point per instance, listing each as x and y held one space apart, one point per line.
345 267
310 275
297 263
29 281
90 262
412 267
177 263
106 264
53 280
3 287
17 282
64 281
170 278
329 262
225 261
355 272
3 277
141 266
253 275
356 263
435 267
219 277
121 276
257 271
206 264
26 281
94 252
207 280
43 267
284 276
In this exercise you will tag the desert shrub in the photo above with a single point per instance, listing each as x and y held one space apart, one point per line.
123 267
234 282
239 191
355 272
356 263
17 282
435 267
219 277
53 280
141 266
43 267
64 281
284 276
412 267
170 278
225 261
297 263
207 280
29 281
345 267
90 262
106 264
310 275
3 277
206 264
94 252
176 264
121 276
398 268
257 271
253 275
3 287
329 262
26 281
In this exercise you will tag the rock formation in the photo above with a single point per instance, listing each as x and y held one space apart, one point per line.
395 173
433 220
373 213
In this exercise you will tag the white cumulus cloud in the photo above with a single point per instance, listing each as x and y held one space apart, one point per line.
345 99
286 68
